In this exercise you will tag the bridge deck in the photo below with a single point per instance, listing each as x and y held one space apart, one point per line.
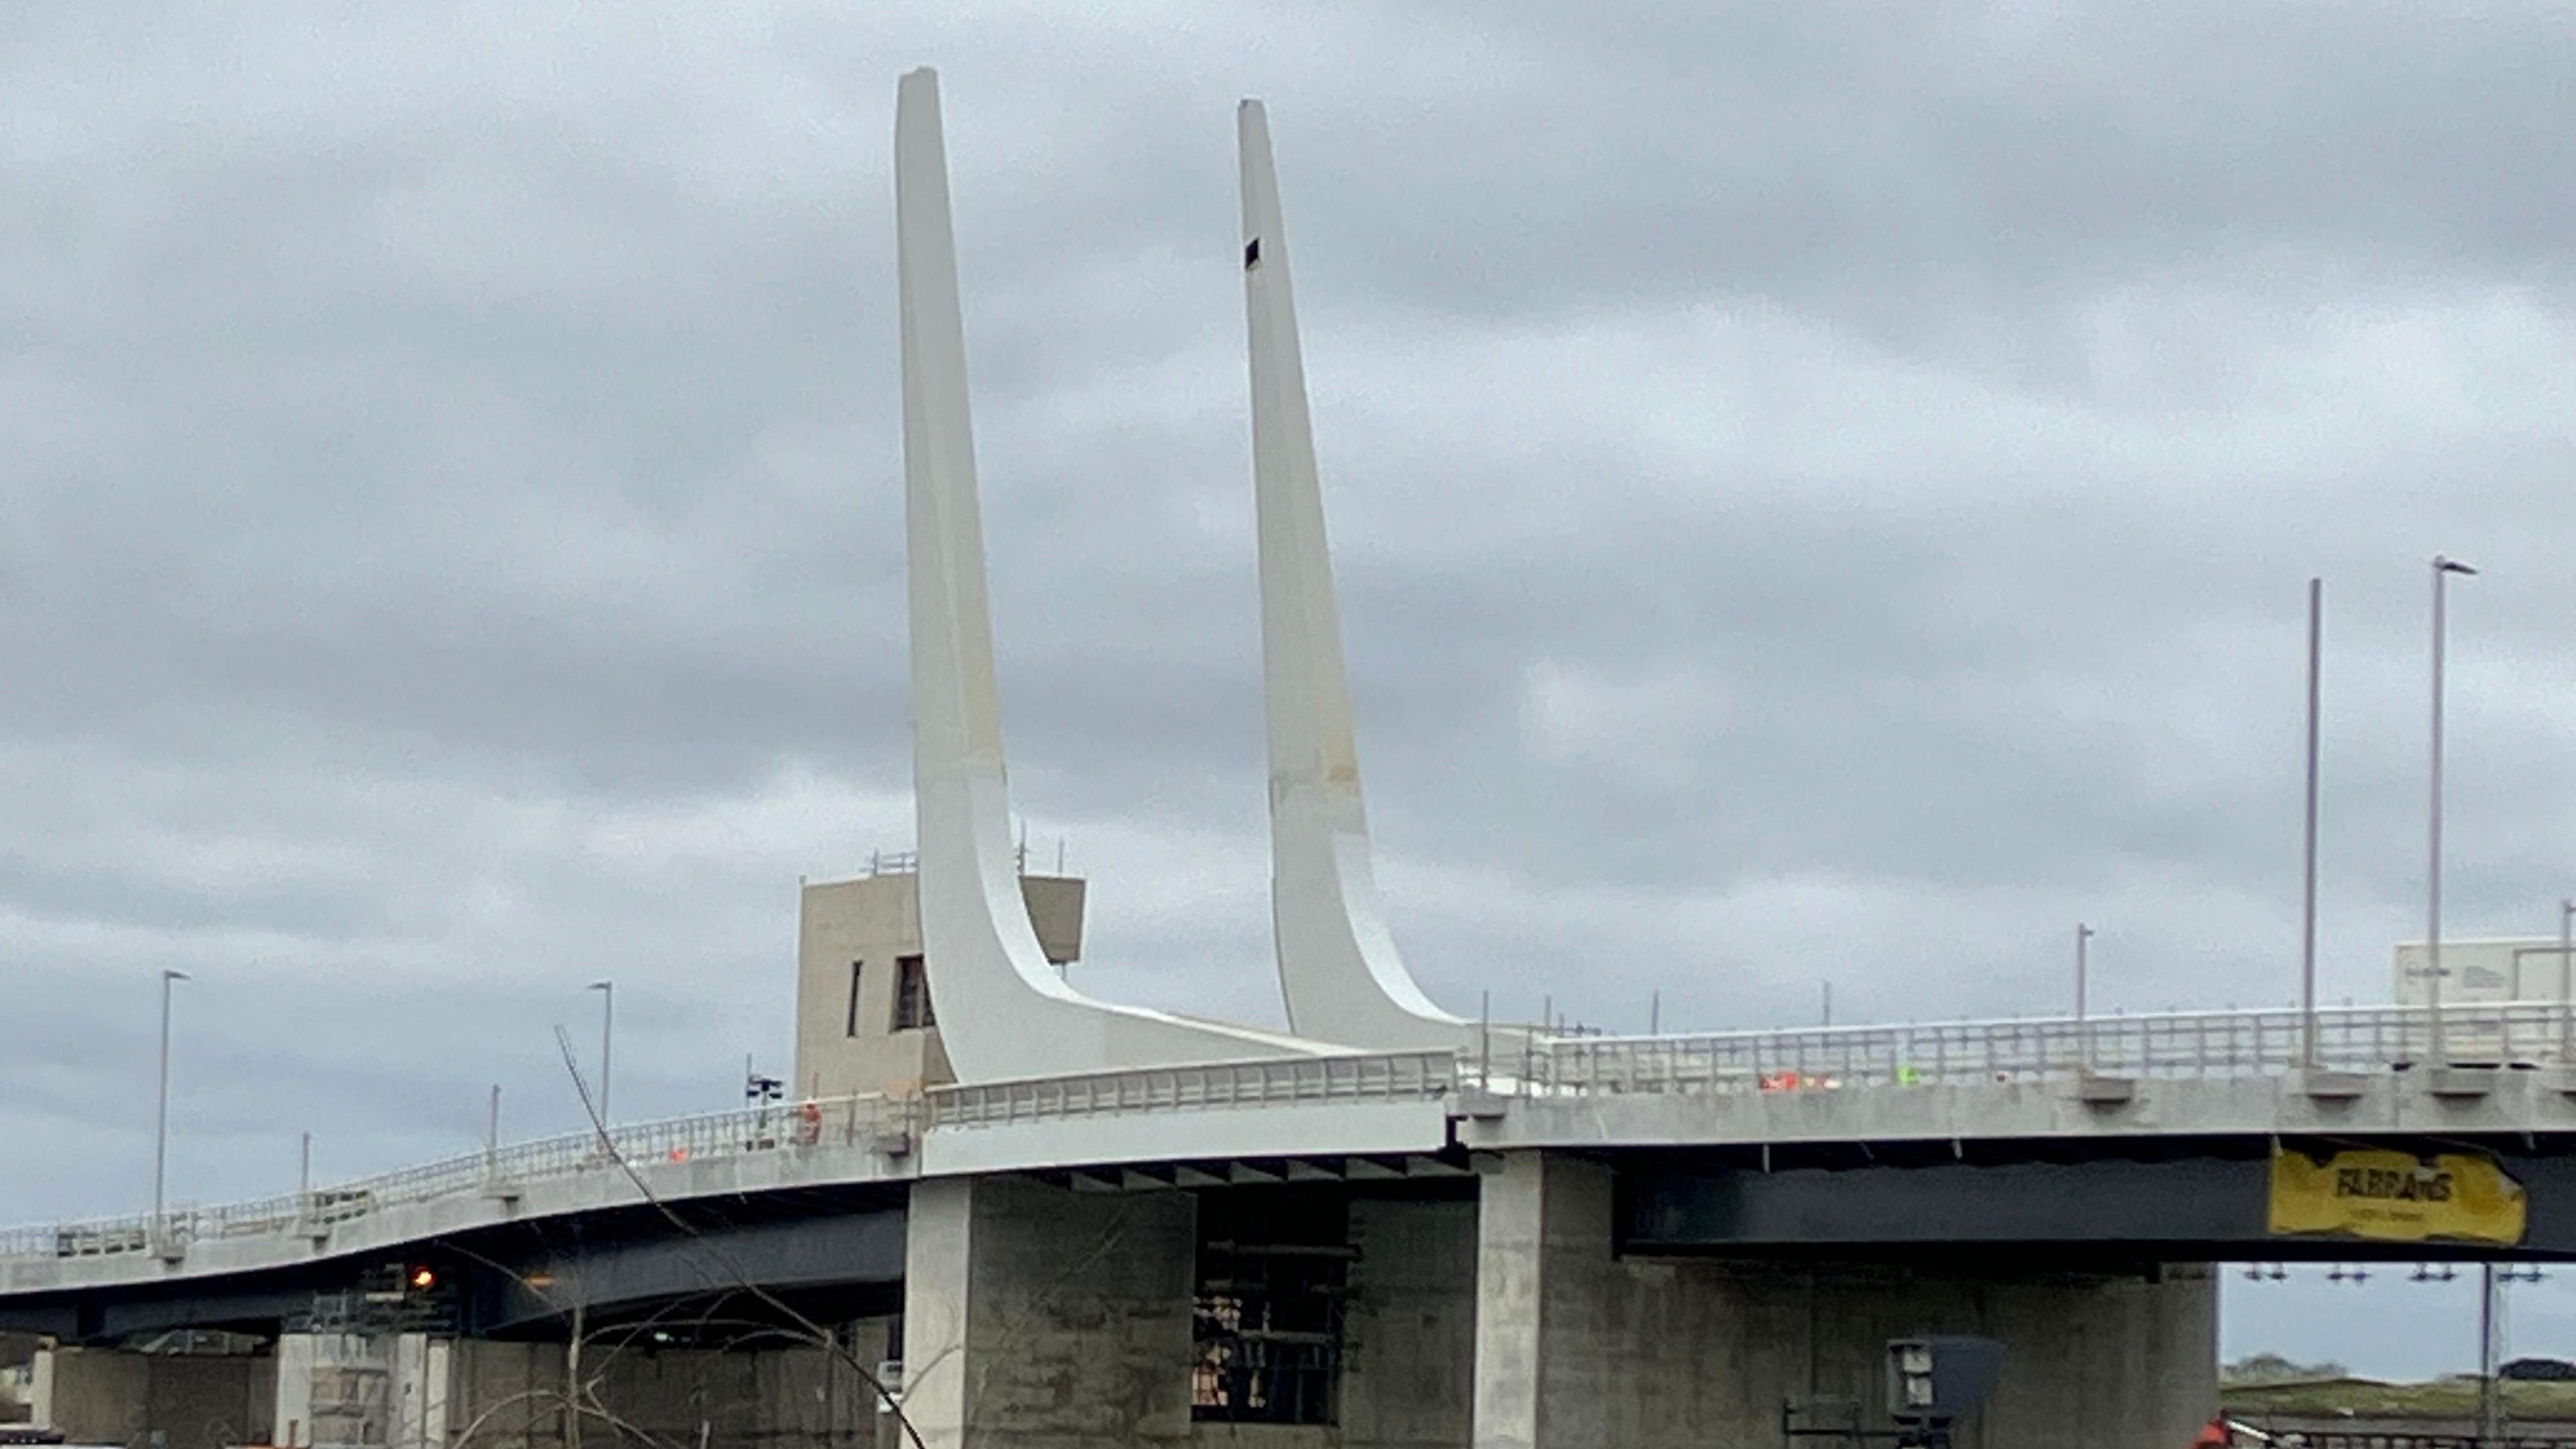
2111 1080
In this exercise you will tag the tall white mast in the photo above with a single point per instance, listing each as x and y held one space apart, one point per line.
1338 966
1003 1011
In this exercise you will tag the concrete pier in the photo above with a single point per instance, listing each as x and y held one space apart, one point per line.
191 1401
1577 1345
414 1391
1036 1315
523 1396
1409 1344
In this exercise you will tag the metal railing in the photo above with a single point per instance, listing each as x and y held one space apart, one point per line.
843 1121
2169 1045
905 862
838 1121
1384 1076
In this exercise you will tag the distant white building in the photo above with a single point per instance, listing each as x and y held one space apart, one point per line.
2520 968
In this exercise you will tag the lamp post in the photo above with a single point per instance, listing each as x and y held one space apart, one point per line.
2443 568
2566 981
161 1117
2083 933
607 1022
2083 1027
2308 852
2490 1422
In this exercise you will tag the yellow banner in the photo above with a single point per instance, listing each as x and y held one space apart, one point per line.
2396 1197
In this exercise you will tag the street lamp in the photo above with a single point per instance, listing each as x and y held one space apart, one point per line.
2083 1028
2566 981
161 1118
2443 568
2308 842
2083 933
607 1019
2490 1422
2491 1308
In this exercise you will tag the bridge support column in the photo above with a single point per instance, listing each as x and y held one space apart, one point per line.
352 1388
1577 1345
1543 1269
1039 1316
193 1401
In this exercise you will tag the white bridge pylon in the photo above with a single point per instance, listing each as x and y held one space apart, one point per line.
1338 967
1004 1012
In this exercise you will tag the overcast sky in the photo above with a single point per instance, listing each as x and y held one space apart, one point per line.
1821 495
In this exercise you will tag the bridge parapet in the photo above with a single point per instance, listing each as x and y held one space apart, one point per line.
2165 1046
498 1173
880 1127
1376 1076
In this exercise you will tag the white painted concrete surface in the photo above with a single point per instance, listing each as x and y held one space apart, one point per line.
1338 965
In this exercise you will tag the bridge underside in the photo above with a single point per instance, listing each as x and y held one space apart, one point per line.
2142 1199
830 1250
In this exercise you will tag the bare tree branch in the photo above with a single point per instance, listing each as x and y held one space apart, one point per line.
821 1335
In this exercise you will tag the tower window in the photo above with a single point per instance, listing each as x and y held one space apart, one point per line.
851 1027
912 995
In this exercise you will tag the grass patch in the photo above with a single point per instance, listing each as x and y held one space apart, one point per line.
2443 1398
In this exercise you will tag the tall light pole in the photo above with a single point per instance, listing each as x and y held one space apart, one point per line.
2443 568
2083 1028
2490 1421
2566 980
607 1022
161 1118
2308 874
492 1138
2083 933
2491 1336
